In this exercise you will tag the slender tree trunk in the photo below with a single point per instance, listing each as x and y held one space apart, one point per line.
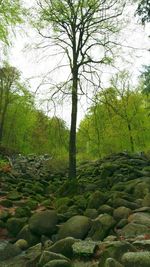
131 137
72 141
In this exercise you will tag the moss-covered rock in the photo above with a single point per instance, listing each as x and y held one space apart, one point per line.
4 215
121 213
14 195
6 203
64 247
27 235
43 223
77 227
22 212
98 198
91 213
8 250
101 226
110 262
49 256
134 229
114 250
58 263
139 259
22 244
14 225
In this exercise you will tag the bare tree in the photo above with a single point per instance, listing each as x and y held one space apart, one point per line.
84 31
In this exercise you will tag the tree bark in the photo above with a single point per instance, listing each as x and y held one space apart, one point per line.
72 140
131 137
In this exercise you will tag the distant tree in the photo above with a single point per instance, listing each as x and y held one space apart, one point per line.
10 15
143 10
84 32
145 79
9 87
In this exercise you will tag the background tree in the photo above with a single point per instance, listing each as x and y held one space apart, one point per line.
84 31
10 15
143 10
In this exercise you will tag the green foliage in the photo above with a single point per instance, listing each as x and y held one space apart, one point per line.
118 118
143 11
10 15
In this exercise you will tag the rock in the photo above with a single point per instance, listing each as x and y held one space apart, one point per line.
110 262
4 215
146 200
43 223
101 226
138 259
98 198
121 213
64 247
84 248
142 244
91 213
6 203
8 250
49 256
14 225
26 234
114 250
14 195
58 263
22 244
22 212
134 229
77 227
105 209
140 218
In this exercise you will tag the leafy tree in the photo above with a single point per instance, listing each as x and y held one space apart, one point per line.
84 31
9 87
10 15
145 79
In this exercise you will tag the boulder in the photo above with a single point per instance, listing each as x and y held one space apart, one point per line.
96 199
58 263
140 218
43 223
22 244
84 248
110 262
114 250
49 256
121 213
8 250
101 226
64 247
14 225
138 259
27 235
77 227
134 229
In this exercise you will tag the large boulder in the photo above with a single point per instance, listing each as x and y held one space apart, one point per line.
8 250
77 227
134 229
138 259
43 223
121 213
27 235
114 250
96 199
63 246
49 256
140 218
14 225
101 227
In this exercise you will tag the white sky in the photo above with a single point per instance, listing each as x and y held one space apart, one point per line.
26 60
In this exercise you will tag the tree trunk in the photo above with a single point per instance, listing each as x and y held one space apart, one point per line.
72 141
131 137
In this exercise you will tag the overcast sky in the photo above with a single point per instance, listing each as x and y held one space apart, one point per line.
26 59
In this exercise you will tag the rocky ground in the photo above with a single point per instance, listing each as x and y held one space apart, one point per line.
102 220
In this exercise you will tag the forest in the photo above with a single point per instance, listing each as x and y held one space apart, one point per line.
74 133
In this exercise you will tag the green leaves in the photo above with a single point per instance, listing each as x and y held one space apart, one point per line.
11 14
